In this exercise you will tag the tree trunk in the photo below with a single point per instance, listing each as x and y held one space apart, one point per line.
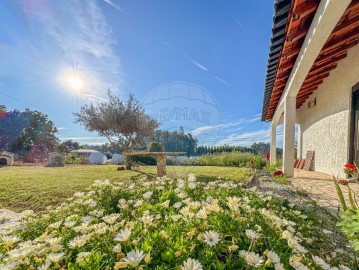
128 149
128 163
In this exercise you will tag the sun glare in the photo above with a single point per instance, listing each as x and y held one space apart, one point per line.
74 82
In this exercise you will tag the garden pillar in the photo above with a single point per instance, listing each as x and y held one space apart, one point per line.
289 133
299 143
161 165
273 144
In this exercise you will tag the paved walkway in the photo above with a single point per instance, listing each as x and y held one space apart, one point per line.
320 187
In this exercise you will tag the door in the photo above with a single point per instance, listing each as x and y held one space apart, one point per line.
355 128
356 138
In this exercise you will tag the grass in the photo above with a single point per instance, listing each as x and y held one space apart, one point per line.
283 180
36 187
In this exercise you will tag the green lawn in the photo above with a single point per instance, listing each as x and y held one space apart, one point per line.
36 187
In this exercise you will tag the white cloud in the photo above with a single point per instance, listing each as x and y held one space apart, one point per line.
81 138
113 5
195 63
248 138
227 127
203 129
165 43
81 41
220 80
238 22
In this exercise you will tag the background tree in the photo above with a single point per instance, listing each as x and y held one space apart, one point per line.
29 133
123 123
176 141
2 109
71 145
37 138
261 148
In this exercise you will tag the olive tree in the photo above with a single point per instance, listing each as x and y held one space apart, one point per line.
123 123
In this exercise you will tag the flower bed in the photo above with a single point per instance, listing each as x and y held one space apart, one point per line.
170 224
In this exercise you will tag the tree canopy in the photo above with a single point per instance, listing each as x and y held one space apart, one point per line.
123 123
29 133
176 141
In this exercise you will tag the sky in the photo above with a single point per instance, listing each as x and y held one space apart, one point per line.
197 64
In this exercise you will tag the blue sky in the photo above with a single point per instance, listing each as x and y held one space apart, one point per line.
220 47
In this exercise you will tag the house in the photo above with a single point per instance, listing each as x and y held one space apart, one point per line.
6 158
312 81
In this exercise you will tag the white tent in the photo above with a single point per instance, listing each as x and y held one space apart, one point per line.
97 158
116 158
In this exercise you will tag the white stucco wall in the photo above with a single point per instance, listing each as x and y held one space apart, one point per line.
325 127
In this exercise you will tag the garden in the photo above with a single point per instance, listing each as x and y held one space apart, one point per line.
185 223
221 207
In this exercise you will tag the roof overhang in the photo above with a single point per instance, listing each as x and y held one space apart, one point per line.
283 55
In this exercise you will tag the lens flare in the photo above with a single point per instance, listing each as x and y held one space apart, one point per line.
74 82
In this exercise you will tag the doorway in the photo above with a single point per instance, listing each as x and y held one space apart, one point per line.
3 161
355 127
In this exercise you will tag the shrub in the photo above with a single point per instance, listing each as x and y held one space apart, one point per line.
234 159
155 147
72 159
144 160
350 218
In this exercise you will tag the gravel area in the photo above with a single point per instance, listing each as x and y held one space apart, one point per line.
288 192
328 217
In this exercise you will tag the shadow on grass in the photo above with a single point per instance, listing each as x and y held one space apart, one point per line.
142 174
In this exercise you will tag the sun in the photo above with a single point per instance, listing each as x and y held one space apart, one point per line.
74 82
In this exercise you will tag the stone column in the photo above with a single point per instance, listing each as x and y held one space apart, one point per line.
289 133
299 143
161 165
273 144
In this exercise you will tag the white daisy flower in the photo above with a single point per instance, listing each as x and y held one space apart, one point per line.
82 256
166 204
78 241
147 195
202 213
55 257
111 219
134 257
8 241
319 261
55 225
213 207
233 203
9 266
86 219
279 266
123 235
191 178
253 259
192 185
177 205
212 238
252 234
271 255
117 248
191 264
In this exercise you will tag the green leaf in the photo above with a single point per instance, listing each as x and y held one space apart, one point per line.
340 194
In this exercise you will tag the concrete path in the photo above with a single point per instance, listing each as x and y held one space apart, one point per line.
320 187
